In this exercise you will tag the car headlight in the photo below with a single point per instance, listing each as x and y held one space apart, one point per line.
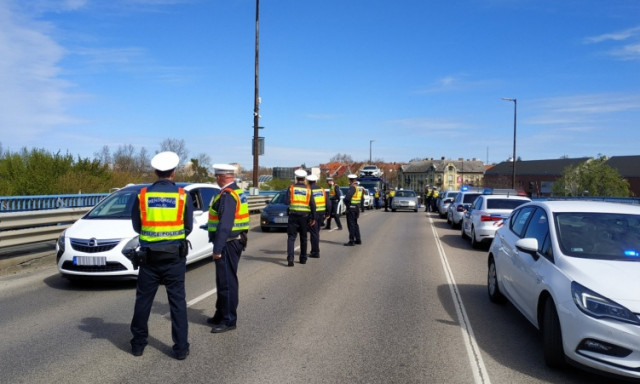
130 248
60 244
599 306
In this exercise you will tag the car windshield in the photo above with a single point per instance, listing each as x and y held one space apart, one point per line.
469 197
278 198
599 235
115 206
405 194
504 203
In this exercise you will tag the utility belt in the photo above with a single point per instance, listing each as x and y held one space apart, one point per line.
163 253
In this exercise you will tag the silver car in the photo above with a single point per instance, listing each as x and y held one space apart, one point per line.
444 201
405 199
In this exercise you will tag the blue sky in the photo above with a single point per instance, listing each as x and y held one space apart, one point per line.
421 78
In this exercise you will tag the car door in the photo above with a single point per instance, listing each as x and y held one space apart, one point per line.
199 237
526 271
509 253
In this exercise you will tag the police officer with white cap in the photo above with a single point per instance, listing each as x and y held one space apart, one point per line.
228 226
302 210
163 216
355 203
320 198
334 201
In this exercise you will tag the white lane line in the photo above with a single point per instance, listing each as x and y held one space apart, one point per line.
476 363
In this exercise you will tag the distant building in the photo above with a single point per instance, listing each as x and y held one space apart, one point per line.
442 174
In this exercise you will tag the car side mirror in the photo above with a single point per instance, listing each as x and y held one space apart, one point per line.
528 245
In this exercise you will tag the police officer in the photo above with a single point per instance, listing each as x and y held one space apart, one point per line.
320 198
302 210
163 216
355 203
228 227
334 201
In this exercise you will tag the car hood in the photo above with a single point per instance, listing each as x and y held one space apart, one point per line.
101 229
616 280
274 208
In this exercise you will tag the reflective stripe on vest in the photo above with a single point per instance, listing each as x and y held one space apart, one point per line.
299 198
241 215
320 198
162 215
356 199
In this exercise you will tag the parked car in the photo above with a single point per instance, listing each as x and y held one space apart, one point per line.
370 170
99 244
405 199
460 203
444 201
275 215
485 216
571 268
368 198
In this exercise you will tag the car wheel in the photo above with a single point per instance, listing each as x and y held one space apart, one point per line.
492 284
475 244
552 336
393 209
415 210
449 221
265 229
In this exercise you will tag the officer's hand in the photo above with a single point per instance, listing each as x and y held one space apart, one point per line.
312 223
216 257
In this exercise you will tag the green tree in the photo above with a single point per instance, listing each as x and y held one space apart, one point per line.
592 178
276 184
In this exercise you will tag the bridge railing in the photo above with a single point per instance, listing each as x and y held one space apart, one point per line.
26 227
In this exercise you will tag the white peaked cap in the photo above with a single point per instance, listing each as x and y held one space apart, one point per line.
312 178
223 169
165 161
300 173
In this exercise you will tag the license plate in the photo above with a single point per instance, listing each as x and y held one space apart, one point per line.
281 220
90 260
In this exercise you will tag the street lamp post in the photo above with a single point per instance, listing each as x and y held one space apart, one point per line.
515 111
370 141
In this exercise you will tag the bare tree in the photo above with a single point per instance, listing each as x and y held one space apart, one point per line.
176 145
124 159
104 156
341 158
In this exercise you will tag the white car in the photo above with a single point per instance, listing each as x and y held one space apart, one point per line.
481 221
572 268
368 198
370 170
99 244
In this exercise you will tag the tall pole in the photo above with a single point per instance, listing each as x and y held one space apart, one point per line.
370 141
513 169
256 104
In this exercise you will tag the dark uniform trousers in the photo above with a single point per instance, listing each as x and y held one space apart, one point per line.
352 223
298 223
150 276
334 214
314 234
227 284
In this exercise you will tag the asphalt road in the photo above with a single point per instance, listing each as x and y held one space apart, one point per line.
407 306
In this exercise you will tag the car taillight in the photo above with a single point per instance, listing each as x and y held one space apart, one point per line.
460 208
490 218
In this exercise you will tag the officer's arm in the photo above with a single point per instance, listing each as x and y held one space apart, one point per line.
135 216
226 214
188 215
312 205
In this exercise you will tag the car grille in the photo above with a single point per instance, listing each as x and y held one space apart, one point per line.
93 245
110 267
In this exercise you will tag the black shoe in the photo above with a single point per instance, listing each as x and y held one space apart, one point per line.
210 320
315 255
182 355
303 261
220 328
339 228
327 228
137 351
290 264
358 241
349 244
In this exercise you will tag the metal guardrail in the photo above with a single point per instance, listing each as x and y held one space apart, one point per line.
19 228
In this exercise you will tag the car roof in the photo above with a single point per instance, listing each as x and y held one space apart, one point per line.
587 206
186 186
515 197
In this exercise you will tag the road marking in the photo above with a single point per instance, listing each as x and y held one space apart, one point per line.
476 363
